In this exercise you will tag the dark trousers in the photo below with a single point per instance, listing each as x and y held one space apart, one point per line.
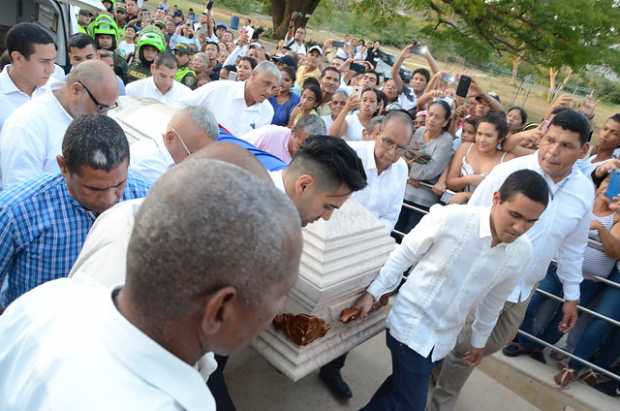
335 365
218 388
407 219
542 322
407 388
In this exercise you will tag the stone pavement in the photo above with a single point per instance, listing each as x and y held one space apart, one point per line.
256 386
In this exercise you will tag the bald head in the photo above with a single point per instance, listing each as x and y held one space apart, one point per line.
234 154
207 225
94 77
189 130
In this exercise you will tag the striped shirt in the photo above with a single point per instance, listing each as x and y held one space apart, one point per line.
42 229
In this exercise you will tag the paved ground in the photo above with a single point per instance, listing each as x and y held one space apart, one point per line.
256 386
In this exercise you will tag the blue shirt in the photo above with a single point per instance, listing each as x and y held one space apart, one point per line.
42 230
282 112
269 161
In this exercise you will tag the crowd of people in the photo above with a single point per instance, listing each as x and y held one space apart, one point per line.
486 204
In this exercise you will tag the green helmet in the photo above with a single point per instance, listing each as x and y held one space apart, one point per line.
151 28
150 39
104 24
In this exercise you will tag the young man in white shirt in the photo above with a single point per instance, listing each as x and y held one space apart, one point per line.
561 233
31 138
296 44
32 53
161 85
463 258
241 106
140 342
189 130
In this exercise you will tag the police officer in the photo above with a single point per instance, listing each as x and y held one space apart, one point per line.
185 75
149 45
106 33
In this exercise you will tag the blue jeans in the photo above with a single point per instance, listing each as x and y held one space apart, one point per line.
601 336
544 314
406 389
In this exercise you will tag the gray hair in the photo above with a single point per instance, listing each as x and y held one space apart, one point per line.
400 116
375 122
311 124
204 119
206 225
95 141
269 68
342 91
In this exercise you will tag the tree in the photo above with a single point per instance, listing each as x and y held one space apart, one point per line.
552 33
283 12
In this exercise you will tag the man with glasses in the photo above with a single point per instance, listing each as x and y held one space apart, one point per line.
32 136
161 85
44 221
189 130
387 174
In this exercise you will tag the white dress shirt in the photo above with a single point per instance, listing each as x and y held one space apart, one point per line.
106 246
65 346
454 270
11 97
31 138
150 158
278 180
226 100
561 232
146 88
383 196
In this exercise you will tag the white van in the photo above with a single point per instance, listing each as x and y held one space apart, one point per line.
57 16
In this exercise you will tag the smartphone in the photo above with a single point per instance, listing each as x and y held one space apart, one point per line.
418 48
210 4
232 76
356 91
358 68
336 43
614 185
463 87
544 126
448 78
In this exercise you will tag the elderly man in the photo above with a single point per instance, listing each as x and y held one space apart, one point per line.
32 136
178 303
383 196
32 53
161 85
44 221
283 142
189 130
561 233
241 106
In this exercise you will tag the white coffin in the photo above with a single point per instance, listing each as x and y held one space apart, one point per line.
340 258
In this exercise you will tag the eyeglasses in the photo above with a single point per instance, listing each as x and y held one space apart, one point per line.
178 136
390 144
101 108
338 103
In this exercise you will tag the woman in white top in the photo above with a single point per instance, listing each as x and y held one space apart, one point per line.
127 46
351 125
474 161
336 104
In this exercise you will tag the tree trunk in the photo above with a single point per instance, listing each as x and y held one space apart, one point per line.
553 75
283 10
515 70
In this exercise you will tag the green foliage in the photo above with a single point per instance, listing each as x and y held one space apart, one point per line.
554 33
244 6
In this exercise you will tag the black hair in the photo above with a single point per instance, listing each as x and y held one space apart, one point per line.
23 36
95 141
422 71
374 73
573 121
472 120
522 112
527 182
212 42
80 41
446 108
290 71
330 68
331 161
377 95
310 80
383 99
250 60
230 67
316 90
499 121
166 59
615 117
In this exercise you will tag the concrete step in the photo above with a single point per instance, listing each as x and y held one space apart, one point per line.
533 381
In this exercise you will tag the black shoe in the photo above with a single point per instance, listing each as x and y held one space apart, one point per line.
333 380
515 349
610 388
